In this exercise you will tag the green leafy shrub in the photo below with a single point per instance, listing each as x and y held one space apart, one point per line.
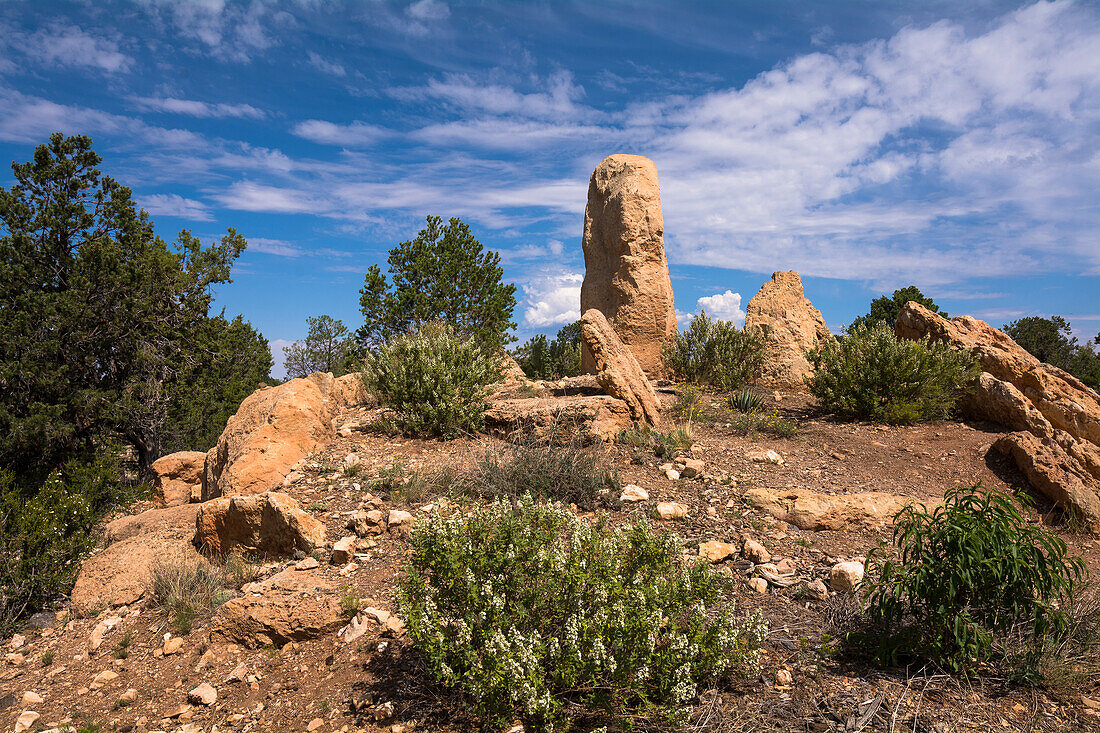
715 353
968 574
556 466
871 375
771 423
435 381
532 613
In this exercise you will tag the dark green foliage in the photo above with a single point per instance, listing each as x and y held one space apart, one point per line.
1051 340
885 309
715 353
328 347
746 400
552 467
534 614
443 274
436 381
968 574
542 359
871 375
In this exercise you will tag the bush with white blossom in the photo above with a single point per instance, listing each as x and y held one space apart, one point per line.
535 614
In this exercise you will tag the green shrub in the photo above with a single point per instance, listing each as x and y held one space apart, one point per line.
412 487
533 614
871 375
746 400
436 382
969 575
715 353
556 467
664 445
771 423
186 592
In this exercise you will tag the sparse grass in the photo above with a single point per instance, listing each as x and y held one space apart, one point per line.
184 592
119 704
47 658
664 445
238 570
122 648
353 470
350 603
318 506
771 423
412 487
1073 658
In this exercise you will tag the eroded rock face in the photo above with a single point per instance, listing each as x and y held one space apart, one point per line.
1056 418
292 605
625 268
810 510
617 371
790 327
271 524
273 429
177 477
595 417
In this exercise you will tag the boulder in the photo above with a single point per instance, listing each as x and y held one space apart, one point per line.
596 417
632 494
274 428
810 510
1055 418
118 575
510 370
625 268
177 477
846 577
271 524
790 327
288 606
716 551
618 372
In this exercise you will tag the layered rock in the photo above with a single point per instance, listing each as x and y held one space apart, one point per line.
625 268
273 429
595 417
292 605
1055 417
814 511
177 477
271 524
617 371
790 326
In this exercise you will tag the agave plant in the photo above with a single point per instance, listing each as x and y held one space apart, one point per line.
746 400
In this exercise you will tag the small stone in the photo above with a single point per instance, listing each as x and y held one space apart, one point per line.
783 678
399 519
309 563
343 550
172 646
17 641
672 474
129 696
179 712
759 585
817 589
845 577
237 675
32 698
15 659
785 566
383 711
755 552
204 694
692 467
351 459
632 493
671 510
103 678
25 720
315 724
768 456
352 631
716 551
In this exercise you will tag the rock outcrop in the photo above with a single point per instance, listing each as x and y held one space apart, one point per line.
273 429
1054 416
271 524
790 326
292 605
595 417
118 575
177 477
625 268
813 511
617 371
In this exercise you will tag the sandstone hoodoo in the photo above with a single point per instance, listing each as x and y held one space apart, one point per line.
625 268
1056 418
617 371
790 327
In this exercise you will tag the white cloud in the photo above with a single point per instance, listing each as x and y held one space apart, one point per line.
171 204
278 247
198 109
425 10
552 299
723 307
318 62
64 44
232 31
355 135
251 196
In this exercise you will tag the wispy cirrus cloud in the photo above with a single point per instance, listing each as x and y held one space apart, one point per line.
64 44
195 108
171 204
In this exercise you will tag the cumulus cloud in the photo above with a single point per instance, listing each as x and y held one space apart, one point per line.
171 204
355 135
552 299
321 64
195 108
64 44
723 307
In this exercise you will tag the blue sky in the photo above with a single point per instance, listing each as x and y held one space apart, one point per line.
869 145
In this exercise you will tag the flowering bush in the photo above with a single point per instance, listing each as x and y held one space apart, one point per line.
534 614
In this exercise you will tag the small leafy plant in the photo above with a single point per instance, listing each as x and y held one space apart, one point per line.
871 375
534 614
715 353
968 575
435 381
746 400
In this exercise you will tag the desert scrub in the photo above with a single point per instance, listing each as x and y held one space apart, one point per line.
555 466
771 423
534 614
664 445
183 592
435 381
871 375
714 353
971 581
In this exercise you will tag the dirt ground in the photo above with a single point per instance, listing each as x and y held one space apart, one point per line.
377 682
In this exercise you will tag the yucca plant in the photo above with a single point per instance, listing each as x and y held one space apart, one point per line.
746 400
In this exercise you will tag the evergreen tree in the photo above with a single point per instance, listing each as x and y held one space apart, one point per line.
328 347
885 309
1052 340
445 275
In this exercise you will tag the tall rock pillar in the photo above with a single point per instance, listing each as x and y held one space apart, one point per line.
625 268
